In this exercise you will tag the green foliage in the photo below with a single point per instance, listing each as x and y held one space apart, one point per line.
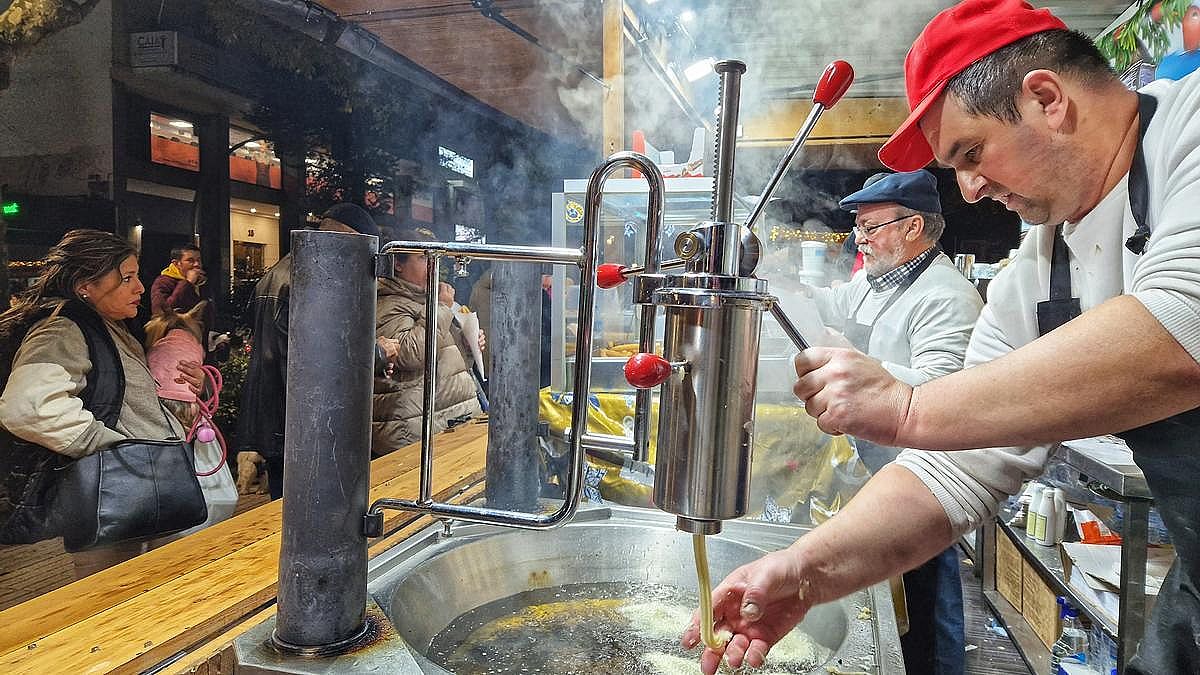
26 22
1121 45
233 372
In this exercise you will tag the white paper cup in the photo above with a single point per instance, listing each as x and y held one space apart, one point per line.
812 256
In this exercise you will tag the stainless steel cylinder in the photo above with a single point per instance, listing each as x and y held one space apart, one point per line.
722 249
327 449
706 419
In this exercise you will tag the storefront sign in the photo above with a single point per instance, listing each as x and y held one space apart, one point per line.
10 209
457 163
169 48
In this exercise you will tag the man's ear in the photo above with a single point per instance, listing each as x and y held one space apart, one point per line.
915 228
1044 95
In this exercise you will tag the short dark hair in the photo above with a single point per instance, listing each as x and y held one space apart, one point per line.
178 251
989 86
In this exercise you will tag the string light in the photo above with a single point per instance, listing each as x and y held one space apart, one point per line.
786 234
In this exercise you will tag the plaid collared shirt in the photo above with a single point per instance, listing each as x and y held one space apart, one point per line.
890 280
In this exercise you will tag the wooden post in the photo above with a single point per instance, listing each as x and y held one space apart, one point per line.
613 114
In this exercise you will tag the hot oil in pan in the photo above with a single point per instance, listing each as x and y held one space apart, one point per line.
591 628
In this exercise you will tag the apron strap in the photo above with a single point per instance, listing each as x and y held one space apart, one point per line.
1060 268
1139 187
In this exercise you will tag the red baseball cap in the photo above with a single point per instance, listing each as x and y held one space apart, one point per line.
953 40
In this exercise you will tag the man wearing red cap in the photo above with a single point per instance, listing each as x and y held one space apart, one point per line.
1094 328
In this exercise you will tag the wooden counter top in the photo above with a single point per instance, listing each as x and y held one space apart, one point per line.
194 595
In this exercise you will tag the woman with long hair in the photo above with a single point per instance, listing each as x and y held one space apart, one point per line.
45 359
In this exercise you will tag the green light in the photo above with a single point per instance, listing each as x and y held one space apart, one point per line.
11 208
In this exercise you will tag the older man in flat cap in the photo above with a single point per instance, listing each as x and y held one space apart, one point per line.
913 311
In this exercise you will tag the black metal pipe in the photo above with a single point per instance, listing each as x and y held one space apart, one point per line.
512 462
327 450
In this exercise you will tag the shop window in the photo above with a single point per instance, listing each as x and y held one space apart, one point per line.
253 159
173 142
248 260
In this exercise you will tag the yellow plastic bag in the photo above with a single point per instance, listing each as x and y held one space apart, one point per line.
798 473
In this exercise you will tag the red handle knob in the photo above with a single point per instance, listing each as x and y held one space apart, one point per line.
833 83
610 275
644 370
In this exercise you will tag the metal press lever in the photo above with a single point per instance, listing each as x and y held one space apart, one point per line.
788 327
829 90
833 84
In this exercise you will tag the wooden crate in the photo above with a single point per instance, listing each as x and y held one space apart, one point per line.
1008 569
1039 605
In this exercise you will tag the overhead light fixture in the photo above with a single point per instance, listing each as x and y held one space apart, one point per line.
253 145
276 214
253 210
180 124
687 16
699 69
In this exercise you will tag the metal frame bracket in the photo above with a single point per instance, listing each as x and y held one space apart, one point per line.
385 266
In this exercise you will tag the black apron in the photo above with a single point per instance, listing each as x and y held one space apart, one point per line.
1168 453
860 335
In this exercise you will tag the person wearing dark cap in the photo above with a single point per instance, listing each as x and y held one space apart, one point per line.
262 414
1092 329
911 310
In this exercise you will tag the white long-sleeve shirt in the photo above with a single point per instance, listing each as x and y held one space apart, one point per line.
1165 278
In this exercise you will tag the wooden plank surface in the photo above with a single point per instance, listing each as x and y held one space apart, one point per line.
133 616
211 657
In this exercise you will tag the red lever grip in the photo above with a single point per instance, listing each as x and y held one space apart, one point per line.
644 371
610 275
834 82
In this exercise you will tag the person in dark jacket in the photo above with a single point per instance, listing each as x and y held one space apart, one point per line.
261 419
178 285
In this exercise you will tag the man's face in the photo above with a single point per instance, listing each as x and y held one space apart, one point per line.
884 247
190 260
1027 166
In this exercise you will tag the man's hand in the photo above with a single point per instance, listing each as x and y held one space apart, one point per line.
848 392
195 276
445 294
482 341
191 374
758 603
391 352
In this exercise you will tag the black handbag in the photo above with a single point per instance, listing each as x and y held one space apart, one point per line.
135 489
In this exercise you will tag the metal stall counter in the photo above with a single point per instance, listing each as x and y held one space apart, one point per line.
1105 467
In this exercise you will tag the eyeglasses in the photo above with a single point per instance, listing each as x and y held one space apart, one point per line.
868 230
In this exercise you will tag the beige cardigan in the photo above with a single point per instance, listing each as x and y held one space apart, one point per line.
41 401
